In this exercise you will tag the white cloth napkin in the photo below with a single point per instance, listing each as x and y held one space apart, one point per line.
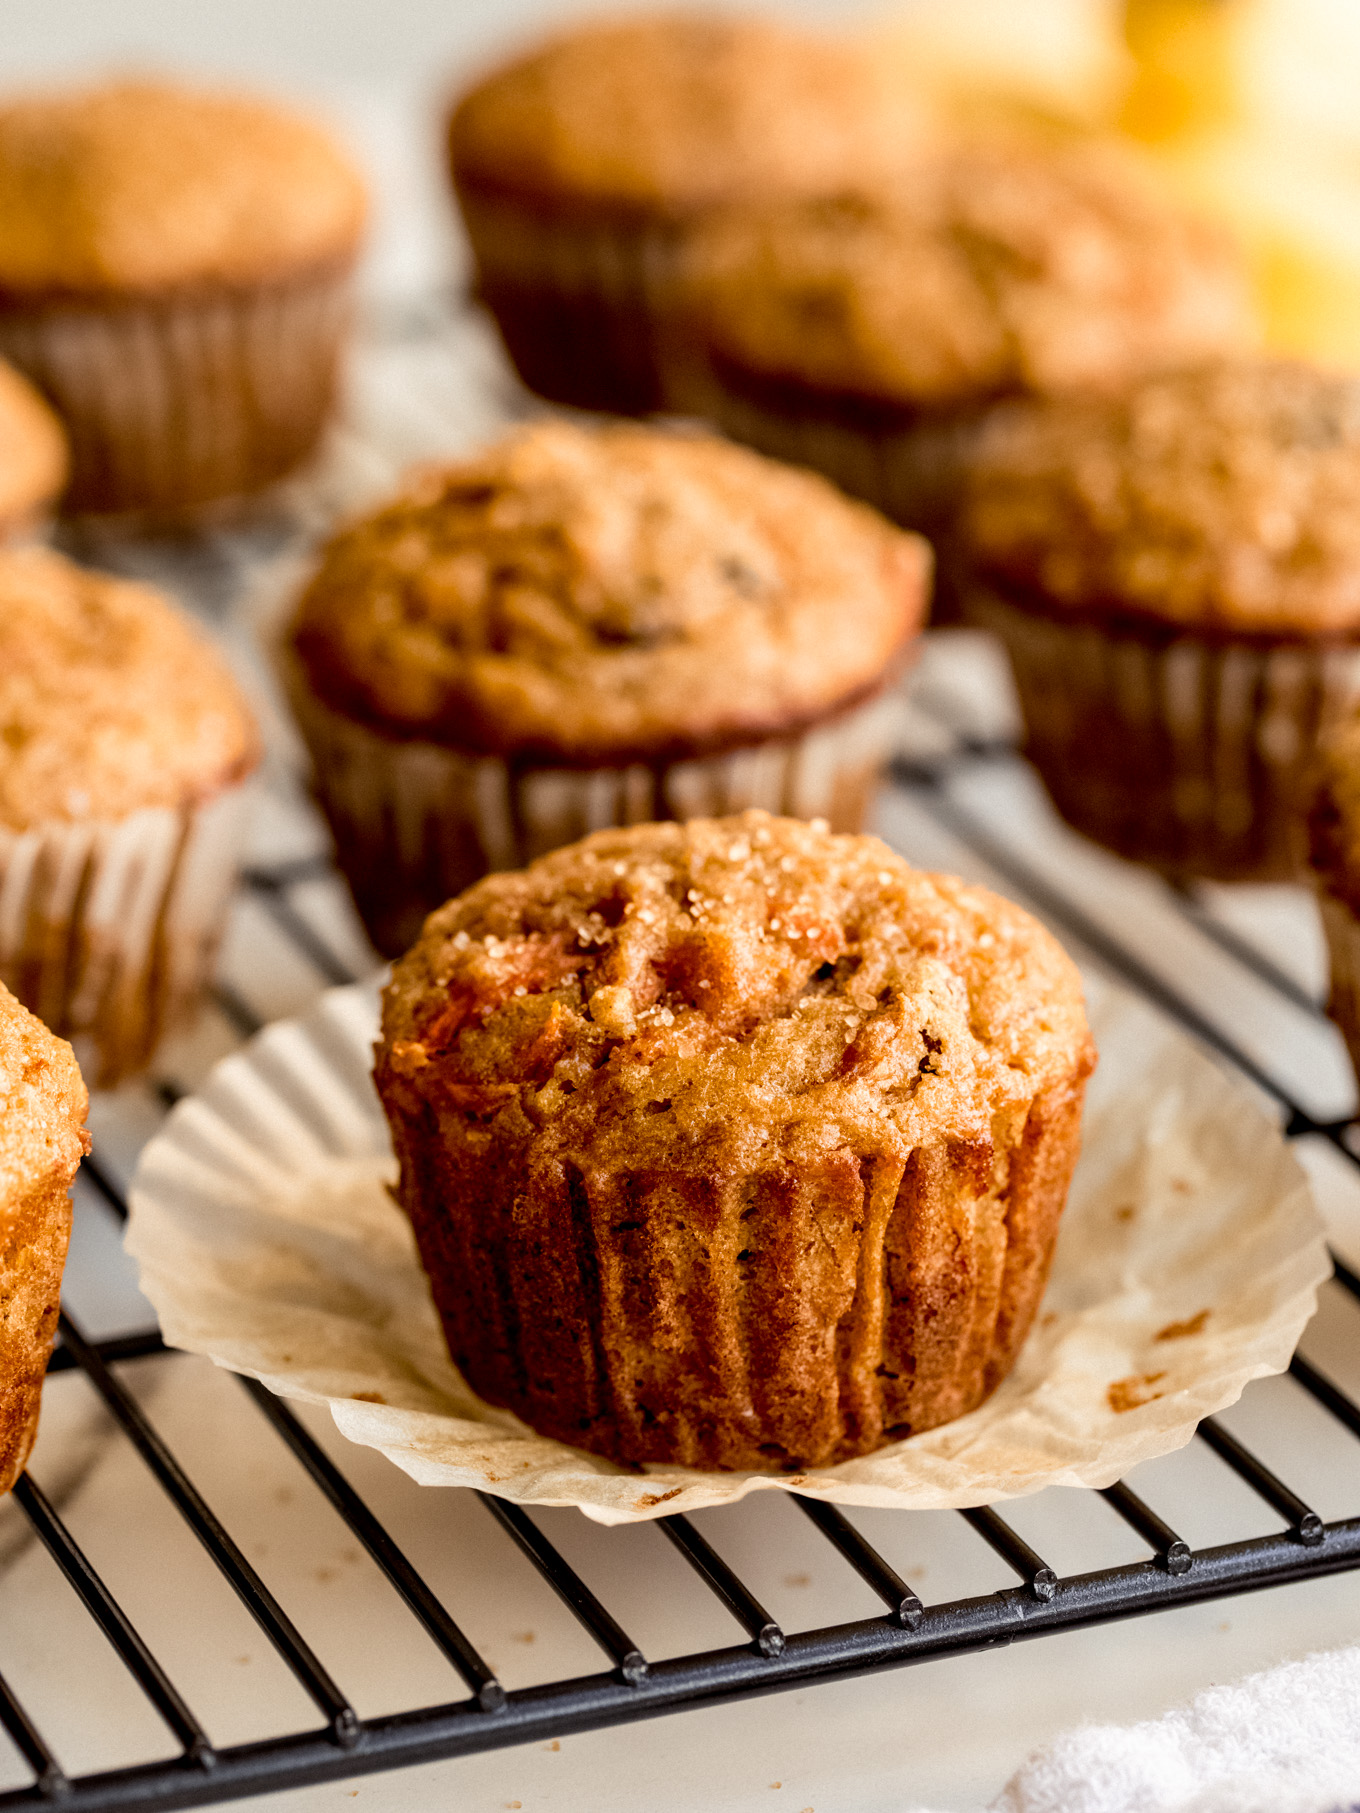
1286 1741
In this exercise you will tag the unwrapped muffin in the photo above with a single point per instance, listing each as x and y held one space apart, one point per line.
1176 575
124 743
33 456
174 275
866 333
580 628
734 1144
42 1140
579 168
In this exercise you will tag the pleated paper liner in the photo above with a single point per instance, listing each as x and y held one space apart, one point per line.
174 404
1188 1264
1189 753
416 823
108 929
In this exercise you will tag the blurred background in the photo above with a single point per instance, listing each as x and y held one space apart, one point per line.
1250 105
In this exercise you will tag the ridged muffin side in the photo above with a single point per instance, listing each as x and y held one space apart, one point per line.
43 1104
735 1144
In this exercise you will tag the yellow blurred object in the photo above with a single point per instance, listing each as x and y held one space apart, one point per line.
1187 67
1249 106
1251 109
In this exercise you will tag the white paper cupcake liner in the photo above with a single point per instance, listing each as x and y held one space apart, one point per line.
415 823
574 298
180 402
108 929
1191 754
1342 930
1187 1264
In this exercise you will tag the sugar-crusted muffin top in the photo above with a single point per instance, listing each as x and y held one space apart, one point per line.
142 186
992 268
734 993
668 114
43 1103
34 458
603 594
110 699
1225 496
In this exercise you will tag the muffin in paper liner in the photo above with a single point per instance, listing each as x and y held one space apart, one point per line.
1188 1264
581 164
177 402
1192 753
573 296
108 930
584 627
1342 930
415 823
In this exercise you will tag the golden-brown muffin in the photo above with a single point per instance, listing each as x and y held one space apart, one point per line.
866 333
42 1140
1334 855
1176 573
124 741
174 272
578 165
34 458
583 627
734 1144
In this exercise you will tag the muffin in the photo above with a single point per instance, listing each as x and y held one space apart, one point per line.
1176 575
33 456
1334 853
42 1140
581 628
124 743
579 166
174 276
735 1144
865 334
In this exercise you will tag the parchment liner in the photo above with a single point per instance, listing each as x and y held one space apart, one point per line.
1188 1264
179 402
415 823
1343 947
1191 754
108 930
573 294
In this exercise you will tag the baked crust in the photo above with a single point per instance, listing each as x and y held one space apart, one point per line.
587 597
43 1104
1224 499
987 269
664 116
733 1144
110 699
144 187
34 457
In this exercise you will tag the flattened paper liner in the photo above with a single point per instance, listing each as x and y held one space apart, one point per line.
1188 1264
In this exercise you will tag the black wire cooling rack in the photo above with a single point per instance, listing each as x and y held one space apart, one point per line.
937 791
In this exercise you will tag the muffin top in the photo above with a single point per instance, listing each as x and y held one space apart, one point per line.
591 595
43 1104
110 699
34 459
672 113
733 993
994 268
1226 497
140 186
